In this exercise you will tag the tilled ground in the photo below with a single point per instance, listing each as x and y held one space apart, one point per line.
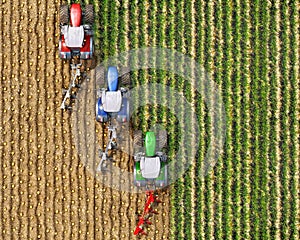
46 190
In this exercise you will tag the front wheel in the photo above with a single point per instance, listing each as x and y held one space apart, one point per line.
137 140
89 14
162 138
64 15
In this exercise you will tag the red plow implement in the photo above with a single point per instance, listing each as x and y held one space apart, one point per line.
151 200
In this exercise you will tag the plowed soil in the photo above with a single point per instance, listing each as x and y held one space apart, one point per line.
46 190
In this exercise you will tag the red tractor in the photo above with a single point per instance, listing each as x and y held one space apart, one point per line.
75 44
76 28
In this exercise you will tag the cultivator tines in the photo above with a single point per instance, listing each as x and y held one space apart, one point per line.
69 94
111 144
151 200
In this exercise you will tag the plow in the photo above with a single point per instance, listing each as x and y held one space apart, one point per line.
143 220
69 94
76 45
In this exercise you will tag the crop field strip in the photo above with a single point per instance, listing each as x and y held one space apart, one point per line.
218 78
251 49
275 133
294 18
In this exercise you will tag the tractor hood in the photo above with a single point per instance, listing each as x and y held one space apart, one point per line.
75 15
150 144
112 78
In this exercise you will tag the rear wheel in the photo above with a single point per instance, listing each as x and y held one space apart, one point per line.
64 14
125 78
137 140
100 77
89 14
162 138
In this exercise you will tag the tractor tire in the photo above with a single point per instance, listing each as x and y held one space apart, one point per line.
89 14
100 77
64 15
137 139
162 138
125 78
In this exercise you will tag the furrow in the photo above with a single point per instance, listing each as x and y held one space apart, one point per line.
15 127
41 108
3 70
7 121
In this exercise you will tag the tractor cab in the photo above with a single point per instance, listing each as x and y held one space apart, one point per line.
73 36
150 166
112 102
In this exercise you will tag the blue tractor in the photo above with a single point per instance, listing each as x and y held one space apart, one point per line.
112 104
112 101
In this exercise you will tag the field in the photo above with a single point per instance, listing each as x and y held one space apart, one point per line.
250 49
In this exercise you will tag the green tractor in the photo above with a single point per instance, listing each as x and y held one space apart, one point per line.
150 166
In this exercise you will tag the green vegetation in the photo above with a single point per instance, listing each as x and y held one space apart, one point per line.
251 50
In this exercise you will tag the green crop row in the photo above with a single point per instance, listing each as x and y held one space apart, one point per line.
200 109
294 114
237 131
178 204
275 105
285 121
209 67
245 152
188 113
264 119
251 50
218 78
255 202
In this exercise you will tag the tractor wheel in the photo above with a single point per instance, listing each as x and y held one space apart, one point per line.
89 14
125 78
161 139
100 77
64 14
137 139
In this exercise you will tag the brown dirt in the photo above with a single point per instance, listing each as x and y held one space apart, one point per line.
46 190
